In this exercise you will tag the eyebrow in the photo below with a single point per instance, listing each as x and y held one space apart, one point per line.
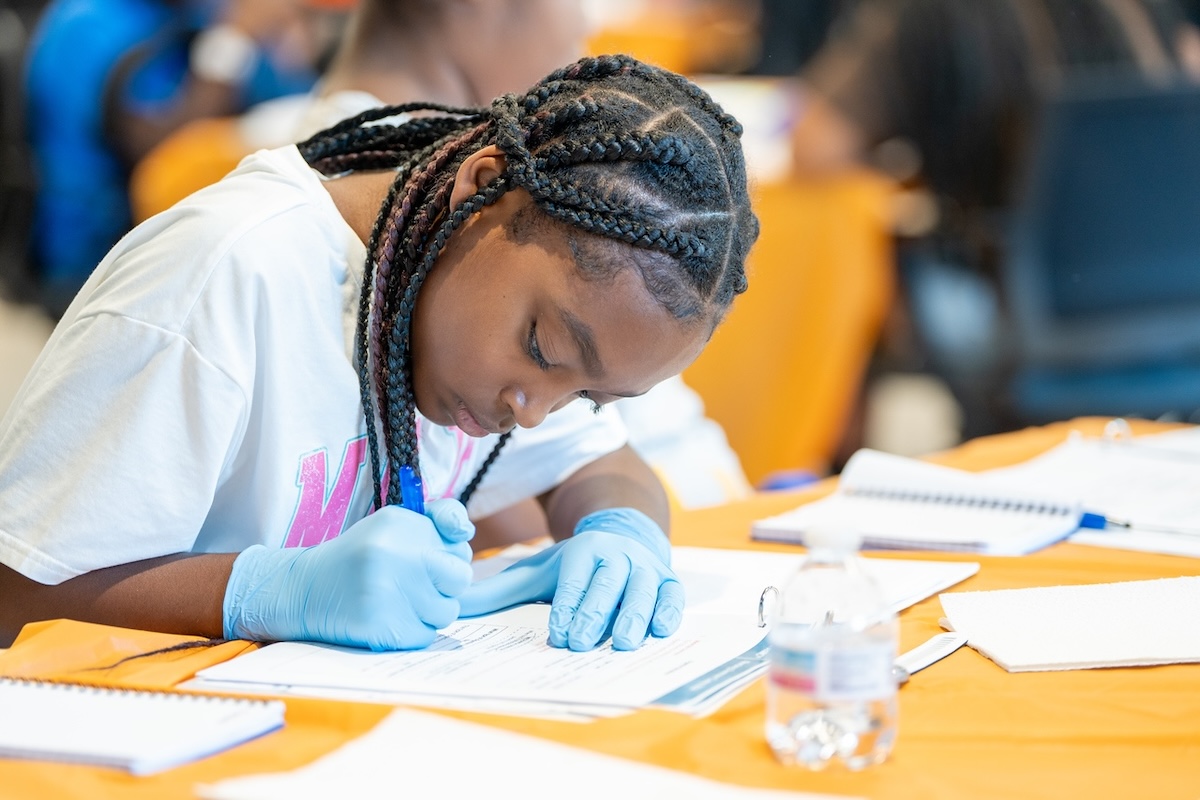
581 332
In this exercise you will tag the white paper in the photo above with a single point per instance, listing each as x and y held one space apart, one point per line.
1151 481
503 660
729 582
559 712
507 656
1080 627
414 754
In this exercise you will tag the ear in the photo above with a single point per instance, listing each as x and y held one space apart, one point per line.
480 169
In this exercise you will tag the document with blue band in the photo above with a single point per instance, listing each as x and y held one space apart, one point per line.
900 503
502 662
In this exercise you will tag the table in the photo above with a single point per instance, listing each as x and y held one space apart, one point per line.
968 729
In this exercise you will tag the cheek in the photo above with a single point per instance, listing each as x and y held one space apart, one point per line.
470 348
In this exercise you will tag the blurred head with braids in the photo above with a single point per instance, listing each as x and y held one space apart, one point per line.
592 232
288 387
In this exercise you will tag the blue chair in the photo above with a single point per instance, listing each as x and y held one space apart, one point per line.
1101 277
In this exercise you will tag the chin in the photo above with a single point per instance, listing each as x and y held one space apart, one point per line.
438 414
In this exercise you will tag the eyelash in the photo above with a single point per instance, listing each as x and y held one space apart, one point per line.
535 352
596 407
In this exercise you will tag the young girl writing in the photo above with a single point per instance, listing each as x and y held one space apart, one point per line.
382 316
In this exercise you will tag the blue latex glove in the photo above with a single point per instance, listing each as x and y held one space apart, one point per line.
389 582
615 570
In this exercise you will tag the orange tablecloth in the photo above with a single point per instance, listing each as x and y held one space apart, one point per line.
968 729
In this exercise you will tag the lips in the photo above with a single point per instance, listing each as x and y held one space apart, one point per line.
467 423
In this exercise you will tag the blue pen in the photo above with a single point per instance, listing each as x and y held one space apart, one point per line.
1097 521
412 493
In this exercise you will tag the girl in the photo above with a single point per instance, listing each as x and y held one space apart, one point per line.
249 375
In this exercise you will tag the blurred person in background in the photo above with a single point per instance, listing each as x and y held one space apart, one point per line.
790 33
943 95
106 80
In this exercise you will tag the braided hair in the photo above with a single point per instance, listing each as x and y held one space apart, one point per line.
609 146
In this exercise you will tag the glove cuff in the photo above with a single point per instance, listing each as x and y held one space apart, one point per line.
632 523
239 617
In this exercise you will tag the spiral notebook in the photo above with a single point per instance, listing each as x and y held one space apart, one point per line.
139 731
900 503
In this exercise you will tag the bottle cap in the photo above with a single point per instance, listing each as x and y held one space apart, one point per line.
833 538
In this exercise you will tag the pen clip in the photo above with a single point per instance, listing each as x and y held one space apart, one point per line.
412 492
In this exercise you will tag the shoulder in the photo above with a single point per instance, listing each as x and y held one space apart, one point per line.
270 193
264 238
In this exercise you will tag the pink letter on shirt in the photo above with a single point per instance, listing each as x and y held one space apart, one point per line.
317 516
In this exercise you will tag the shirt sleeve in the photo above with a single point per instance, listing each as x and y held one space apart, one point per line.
113 450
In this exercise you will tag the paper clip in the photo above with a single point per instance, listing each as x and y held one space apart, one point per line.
762 603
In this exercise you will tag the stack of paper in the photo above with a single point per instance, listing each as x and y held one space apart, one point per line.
502 662
1080 627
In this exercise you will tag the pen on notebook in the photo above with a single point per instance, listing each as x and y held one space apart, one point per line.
1093 521
412 493
1099 521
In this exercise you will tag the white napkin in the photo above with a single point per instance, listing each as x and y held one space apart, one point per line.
1081 627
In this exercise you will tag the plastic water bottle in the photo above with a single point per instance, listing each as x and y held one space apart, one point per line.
831 691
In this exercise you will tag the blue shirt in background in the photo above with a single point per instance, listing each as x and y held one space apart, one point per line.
82 205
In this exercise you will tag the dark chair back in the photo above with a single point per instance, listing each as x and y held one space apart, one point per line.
1102 273
17 177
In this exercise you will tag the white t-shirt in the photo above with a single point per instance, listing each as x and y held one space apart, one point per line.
200 394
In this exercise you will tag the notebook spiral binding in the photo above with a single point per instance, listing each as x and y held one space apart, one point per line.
1007 504
97 689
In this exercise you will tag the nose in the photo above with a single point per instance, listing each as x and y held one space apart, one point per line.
529 408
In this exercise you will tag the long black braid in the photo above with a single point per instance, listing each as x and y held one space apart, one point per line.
609 146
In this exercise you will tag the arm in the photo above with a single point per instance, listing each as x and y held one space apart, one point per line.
222 57
523 521
173 594
618 480
407 570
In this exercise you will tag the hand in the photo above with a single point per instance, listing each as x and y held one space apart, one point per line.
389 582
618 558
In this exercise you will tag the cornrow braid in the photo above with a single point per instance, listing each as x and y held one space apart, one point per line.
621 153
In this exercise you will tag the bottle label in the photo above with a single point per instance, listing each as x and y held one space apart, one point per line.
829 674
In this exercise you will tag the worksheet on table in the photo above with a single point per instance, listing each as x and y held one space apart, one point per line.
506 656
